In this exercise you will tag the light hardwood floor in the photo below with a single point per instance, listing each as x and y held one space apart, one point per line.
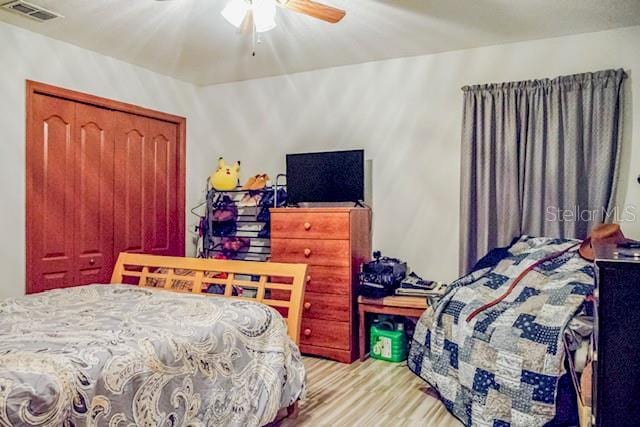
369 393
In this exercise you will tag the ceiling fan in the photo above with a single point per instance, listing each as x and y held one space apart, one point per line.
258 16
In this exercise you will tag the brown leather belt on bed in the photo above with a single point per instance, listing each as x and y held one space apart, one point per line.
517 280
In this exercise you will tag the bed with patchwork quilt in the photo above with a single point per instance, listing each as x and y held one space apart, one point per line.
504 365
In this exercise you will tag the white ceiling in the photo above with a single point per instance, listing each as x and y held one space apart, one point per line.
188 39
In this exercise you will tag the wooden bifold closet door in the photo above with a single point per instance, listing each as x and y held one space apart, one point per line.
99 182
146 206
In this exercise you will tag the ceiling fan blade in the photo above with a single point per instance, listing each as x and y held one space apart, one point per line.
315 10
247 23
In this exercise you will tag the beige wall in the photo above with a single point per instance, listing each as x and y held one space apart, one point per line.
406 113
26 55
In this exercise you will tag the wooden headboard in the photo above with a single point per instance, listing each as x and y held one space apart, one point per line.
144 267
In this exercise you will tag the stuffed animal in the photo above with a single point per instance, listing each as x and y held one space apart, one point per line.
226 177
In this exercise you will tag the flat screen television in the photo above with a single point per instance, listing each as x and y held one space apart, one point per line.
336 176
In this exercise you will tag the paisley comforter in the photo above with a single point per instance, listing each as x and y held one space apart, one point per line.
117 355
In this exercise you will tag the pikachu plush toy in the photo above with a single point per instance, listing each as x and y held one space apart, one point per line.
226 177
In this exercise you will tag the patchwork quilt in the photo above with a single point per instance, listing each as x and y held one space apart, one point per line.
120 356
502 368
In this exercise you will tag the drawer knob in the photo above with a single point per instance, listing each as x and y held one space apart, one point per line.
307 226
307 252
308 279
307 305
307 332
92 261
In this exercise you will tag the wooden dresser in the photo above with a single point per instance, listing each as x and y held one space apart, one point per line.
334 242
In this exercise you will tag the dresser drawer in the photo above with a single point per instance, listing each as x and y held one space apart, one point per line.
329 280
320 280
326 306
303 225
311 252
325 333
339 355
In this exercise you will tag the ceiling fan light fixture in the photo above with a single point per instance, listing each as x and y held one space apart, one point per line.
263 13
235 12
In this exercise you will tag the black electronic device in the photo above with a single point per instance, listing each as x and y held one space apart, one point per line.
381 277
336 176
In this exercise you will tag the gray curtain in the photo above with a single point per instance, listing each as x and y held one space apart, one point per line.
539 157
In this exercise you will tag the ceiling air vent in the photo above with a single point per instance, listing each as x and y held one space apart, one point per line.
31 10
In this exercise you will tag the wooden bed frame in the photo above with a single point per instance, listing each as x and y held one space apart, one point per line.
144 267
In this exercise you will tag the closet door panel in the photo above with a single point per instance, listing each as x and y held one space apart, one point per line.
94 194
99 181
132 153
161 174
50 195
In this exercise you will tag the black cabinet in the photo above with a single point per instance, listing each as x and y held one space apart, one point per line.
616 384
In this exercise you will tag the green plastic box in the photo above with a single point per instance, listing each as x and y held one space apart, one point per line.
388 343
